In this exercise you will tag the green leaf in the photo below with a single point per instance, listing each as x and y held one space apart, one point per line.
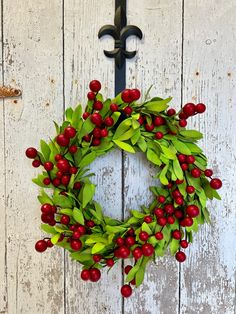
122 128
63 201
206 215
66 211
194 226
95 238
134 270
98 209
44 198
137 214
68 114
146 228
87 159
167 152
55 238
87 127
45 149
177 169
76 117
139 276
162 175
127 135
142 144
159 251
193 147
181 147
114 229
157 106
48 229
174 246
153 157
98 247
78 216
125 146
80 256
191 133
88 191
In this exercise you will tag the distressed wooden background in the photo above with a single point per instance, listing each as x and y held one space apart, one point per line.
51 51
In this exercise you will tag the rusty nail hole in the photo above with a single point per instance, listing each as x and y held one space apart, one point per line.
15 101
229 74
16 91
52 81
47 104
197 73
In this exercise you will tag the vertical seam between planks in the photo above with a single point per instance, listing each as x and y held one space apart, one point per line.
4 162
181 95
123 216
63 115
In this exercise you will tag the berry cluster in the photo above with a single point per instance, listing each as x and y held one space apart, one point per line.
76 221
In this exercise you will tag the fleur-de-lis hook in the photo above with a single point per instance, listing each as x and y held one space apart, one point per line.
120 32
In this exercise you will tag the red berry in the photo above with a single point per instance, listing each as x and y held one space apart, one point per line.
184 244
184 166
216 184
169 209
70 132
159 212
63 165
91 96
170 220
141 120
120 241
96 119
58 157
104 133
176 234
135 94
47 218
181 158
196 173
95 274
48 165
97 258
95 86
73 170
77 185
73 149
126 291
85 274
110 262
188 222
128 110
81 229
149 128
56 182
147 249
76 245
129 241
90 223
162 221
49 243
190 159
158 121
124 251
183 116
192 210
98 105
176 193
159 235
36 163
31 152
96 142
59 174
208 172
183 123
189 109
97 133
62 140
169 185
127 269
190 189
143 236
65 180
200 108
178 213
41 246
159 135
76 235
147 219
161 199
87 138
108 121
46 208
126 96
137 253
180 256
130 232
171 112
65 220
178 181
46 181
86 115
179 200
114 107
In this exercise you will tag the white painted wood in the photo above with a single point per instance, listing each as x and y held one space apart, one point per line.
84 61
208 277
158 62
33 62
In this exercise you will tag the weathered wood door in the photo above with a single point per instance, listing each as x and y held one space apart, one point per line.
51 51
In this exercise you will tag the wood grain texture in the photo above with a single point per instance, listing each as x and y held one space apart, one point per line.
32 61
84 61
208 276
158 62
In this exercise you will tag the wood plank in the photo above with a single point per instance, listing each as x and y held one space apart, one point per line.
208 277
33 62
84 61
3 268
159 63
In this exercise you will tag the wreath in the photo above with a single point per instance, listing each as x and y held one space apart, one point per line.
75 221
